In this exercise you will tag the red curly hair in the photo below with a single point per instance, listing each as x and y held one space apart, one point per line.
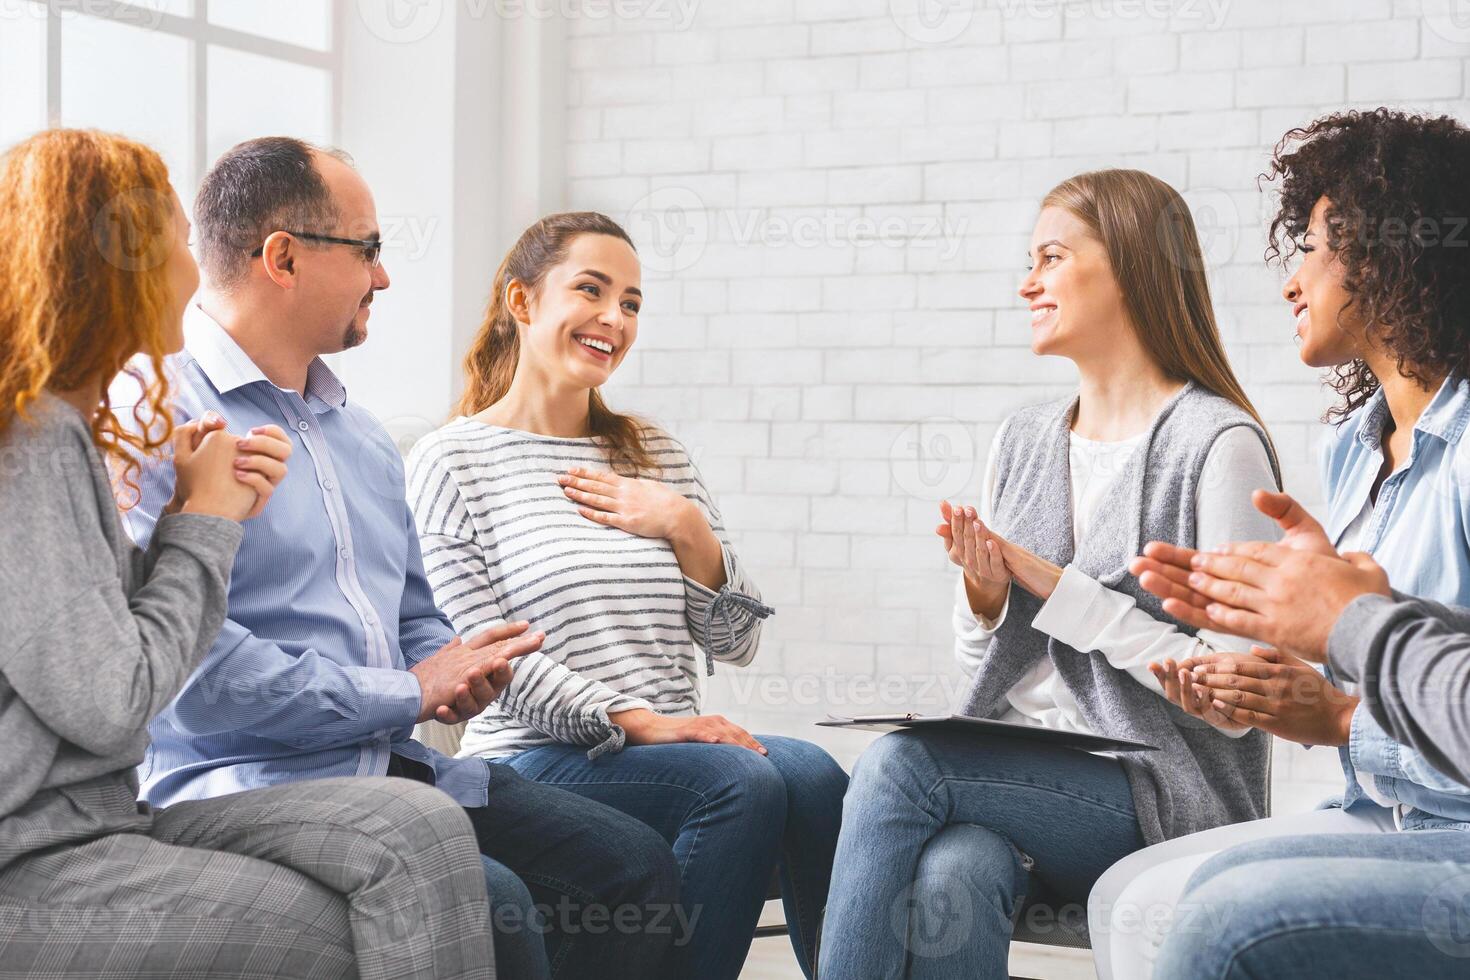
86 226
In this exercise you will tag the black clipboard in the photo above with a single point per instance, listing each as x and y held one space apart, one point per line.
983 726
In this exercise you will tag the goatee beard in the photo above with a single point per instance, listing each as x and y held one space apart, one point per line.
352 338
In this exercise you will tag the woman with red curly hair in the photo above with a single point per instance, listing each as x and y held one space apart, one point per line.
1376 204
368 877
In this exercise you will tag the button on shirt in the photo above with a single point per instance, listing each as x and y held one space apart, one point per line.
328 604
1418 529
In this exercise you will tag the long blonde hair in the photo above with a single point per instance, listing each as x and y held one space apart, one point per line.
86 228
490 365
1155 253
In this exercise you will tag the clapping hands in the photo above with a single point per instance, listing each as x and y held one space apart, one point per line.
972 546
1285 595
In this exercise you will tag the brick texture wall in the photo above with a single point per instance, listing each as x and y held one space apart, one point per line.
833 200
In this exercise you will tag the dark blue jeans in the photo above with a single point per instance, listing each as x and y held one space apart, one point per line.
733 816
942 837
603 889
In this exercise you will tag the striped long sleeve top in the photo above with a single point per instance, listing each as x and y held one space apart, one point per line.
625 628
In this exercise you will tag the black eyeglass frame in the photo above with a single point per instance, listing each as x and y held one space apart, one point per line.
376 244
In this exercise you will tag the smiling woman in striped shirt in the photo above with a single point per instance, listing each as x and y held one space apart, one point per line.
541 503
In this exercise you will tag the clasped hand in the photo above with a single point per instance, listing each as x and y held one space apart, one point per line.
1264 689
224 475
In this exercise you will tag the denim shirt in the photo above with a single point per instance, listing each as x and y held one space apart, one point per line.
1420 533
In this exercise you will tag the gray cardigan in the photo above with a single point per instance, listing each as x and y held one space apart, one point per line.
1200 778
1412 658
97 635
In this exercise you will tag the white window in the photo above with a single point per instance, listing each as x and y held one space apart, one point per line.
190 78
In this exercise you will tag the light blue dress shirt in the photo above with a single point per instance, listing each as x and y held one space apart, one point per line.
1420 533
329 605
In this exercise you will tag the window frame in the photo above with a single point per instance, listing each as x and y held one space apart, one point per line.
201 34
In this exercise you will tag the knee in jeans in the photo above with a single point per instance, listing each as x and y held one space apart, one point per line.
810 765
970 857
1262 852
504 887
1215 920
755 784
647 871
895 756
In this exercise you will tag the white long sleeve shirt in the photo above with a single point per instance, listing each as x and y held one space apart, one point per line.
1088 617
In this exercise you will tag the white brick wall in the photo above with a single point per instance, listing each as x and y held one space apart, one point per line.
833 200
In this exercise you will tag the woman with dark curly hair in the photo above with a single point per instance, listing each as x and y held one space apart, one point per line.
1376 204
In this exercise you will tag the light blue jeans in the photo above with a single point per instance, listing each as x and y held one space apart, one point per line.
1329 905
942 838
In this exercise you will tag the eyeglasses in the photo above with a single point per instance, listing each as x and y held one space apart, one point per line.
372 248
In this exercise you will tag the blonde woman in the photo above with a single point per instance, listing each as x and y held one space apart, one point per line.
944 837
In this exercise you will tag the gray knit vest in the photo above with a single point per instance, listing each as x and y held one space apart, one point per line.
1199 778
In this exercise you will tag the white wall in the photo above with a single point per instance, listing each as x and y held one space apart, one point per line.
455 116
833 199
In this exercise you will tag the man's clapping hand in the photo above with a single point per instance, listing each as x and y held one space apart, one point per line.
465 676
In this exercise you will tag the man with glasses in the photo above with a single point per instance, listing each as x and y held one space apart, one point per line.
333 648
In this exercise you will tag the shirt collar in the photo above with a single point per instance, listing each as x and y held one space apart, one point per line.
228 367
1445 416
1449 411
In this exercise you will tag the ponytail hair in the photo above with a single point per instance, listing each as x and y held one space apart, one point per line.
490 365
